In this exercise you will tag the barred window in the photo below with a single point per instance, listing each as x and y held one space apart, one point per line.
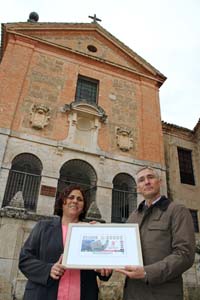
124 197
86 90
24 177
194 214
186 166
77 171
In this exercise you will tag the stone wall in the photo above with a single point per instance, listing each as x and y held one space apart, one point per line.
105 165
177 137
15 226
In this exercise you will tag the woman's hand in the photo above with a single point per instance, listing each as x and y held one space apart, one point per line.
57 269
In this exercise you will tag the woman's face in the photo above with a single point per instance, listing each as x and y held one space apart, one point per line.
73 204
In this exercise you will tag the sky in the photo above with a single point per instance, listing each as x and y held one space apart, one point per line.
166 33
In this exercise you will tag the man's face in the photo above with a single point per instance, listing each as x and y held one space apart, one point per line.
148 184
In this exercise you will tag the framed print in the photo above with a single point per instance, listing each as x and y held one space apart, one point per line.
96 246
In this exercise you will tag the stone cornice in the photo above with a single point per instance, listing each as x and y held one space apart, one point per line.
23 214
20 213
77 148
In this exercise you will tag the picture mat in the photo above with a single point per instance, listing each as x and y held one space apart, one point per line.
76 257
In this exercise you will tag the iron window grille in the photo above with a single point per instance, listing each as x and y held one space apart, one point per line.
79 172
124 198
24 177
26 183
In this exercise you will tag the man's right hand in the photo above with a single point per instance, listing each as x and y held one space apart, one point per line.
134 272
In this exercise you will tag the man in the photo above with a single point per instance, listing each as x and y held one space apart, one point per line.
167 240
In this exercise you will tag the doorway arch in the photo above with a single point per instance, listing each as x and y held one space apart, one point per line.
124 197
80 172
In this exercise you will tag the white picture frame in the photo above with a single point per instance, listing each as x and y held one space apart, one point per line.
96 246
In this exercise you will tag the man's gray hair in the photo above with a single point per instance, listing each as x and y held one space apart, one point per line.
149 168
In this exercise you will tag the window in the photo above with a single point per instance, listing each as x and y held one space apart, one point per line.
86 90
124 197
195 219
77 171
24 178
185 166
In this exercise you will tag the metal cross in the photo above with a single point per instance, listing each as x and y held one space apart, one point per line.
95 19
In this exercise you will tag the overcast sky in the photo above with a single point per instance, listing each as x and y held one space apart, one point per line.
166 33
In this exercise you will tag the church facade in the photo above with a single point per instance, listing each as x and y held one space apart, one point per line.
77 106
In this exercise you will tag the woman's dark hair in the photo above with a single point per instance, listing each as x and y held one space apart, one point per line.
63 195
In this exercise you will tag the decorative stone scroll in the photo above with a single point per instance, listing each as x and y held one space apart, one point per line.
87 108
124 138
40 115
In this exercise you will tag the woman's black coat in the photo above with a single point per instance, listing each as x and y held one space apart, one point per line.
41 250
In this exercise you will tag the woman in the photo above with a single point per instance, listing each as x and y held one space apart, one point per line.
41 256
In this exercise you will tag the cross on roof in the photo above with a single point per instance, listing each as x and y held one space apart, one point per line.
95 19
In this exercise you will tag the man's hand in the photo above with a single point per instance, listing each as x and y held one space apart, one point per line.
57 269
133 272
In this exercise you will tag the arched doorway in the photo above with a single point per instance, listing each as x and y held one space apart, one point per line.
79 172
124 197
24 178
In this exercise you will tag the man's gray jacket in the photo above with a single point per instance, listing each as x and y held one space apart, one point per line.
168 247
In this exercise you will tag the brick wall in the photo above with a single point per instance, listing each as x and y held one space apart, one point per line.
41 75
